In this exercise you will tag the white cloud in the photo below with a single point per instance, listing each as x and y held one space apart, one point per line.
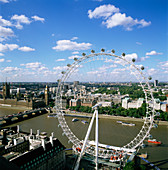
74 56
153 53
8 61
43 68
37 18
129 57
63 45
2 60
12 47
10 69
4 22
138 43
109 61
20 19
4 1
144 58
75 52
98 0
74 38
61 59
164 64
6 47
33 66
60 68
5 33
1 54
152 71
112 18
93 72
119 19
119 69
26 49
103 11
104 68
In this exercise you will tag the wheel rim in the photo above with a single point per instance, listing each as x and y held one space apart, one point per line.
150 112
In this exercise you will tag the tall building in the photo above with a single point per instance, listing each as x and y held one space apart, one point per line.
76 83
6 90
46 95
155 83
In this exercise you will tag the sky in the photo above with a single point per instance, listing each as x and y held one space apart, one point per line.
38 38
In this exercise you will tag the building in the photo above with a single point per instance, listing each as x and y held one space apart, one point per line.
158 105
155 83
88 102
75 83
46 95
105 104
33 151
127 103
74 102
6 90
28 103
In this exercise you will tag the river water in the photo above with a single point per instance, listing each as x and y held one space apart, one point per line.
110 133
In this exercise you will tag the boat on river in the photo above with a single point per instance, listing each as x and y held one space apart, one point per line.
154 141
52 115
84 121
75 120
127 124
143 155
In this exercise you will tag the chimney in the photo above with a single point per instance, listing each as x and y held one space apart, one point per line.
15 141
4 140
38 134
51 138
31 132
43 143
18 129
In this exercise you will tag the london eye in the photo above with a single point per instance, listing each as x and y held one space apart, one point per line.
93 147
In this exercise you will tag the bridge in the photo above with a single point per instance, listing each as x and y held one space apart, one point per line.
21 116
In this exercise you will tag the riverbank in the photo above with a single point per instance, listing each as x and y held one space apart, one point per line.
14 108
103 116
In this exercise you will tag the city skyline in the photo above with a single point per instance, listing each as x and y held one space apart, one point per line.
39 38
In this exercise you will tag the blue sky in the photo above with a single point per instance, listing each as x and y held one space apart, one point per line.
39 37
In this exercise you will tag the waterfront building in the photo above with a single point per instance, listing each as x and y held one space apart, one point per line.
105 104
6 90
158 105
127 103
32 151
74 102
46 95
88 102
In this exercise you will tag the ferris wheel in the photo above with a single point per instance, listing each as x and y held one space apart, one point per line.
81 146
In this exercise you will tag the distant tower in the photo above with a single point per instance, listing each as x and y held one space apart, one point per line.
76 83
6 90
155 83
46 95
18 93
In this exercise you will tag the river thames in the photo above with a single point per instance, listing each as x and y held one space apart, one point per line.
110 133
